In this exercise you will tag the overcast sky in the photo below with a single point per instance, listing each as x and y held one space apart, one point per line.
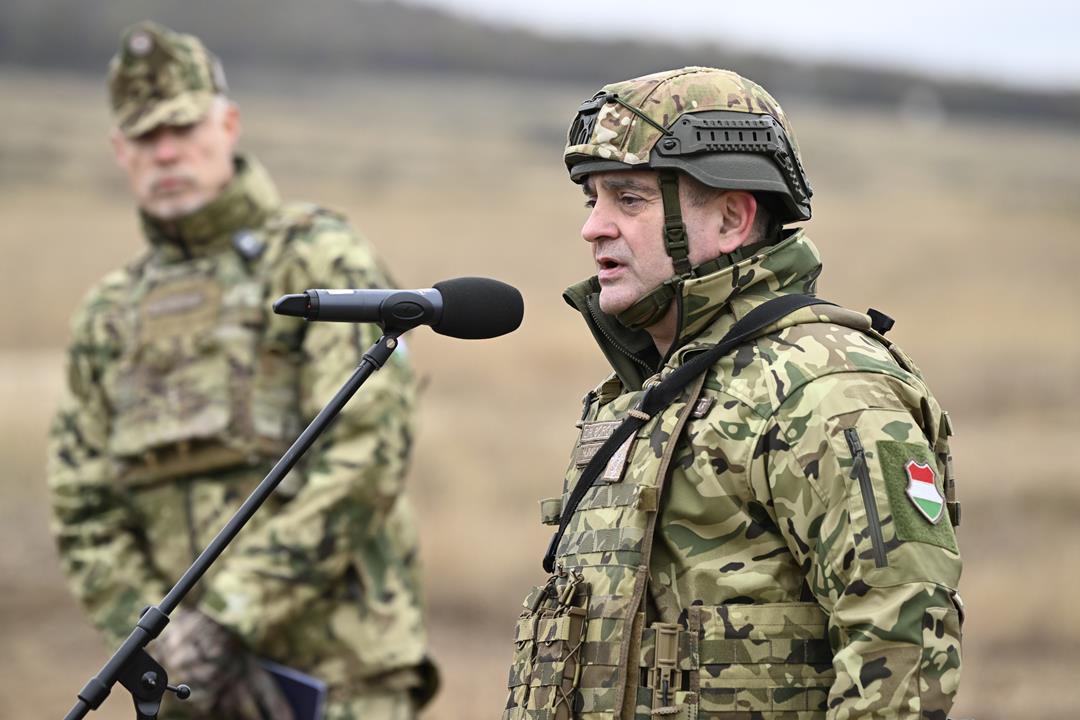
1035 41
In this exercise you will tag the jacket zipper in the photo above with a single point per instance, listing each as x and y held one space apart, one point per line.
615 344
860 471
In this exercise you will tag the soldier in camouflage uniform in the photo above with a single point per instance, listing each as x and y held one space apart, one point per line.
777 543
184 389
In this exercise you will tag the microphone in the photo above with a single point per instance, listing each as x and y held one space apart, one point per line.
470 308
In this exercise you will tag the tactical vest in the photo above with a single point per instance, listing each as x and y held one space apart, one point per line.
583 646
199 385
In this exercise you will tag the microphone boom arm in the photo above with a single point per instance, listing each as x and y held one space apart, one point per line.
130 664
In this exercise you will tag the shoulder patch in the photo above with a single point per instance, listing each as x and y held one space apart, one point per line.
915 494
922 490
249 245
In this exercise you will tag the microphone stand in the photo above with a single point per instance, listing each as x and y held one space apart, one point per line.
131 665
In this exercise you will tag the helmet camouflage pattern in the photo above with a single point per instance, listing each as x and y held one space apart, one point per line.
715 125
161 77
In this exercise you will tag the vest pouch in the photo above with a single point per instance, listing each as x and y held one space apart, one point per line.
266 371
275 406
182 394
548 638
771 660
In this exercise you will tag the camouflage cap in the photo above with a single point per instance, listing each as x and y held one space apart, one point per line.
715 125
161 77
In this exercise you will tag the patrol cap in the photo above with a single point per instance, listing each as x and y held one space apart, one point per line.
161 77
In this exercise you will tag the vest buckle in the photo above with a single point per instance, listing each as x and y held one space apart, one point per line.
665 665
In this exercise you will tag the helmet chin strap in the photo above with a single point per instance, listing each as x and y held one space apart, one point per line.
651 307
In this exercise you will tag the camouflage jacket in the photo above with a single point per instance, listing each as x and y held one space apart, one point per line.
184 389
788 555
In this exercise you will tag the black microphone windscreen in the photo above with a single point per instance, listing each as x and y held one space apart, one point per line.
476 308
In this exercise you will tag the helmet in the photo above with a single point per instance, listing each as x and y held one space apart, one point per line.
716 126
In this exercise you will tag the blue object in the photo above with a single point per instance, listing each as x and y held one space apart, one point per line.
306 694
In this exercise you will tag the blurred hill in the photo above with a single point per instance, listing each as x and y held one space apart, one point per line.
344 36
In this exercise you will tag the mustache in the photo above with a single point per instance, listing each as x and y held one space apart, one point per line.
156 183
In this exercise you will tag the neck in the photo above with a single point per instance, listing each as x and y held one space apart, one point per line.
663 332
243 203
172 214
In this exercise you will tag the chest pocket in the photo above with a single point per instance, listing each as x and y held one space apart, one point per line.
610 516
196 389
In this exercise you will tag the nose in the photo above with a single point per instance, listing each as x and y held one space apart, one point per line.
166 148
599 225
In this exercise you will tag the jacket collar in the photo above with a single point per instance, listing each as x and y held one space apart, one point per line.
245 203
707 306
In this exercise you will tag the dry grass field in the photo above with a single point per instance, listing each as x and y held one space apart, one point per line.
966 233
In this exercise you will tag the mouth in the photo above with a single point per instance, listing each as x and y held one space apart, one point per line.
170 185
607 268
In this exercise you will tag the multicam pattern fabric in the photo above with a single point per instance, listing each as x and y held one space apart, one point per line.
769 581
620 135
161 77
398 705
226 680
184 389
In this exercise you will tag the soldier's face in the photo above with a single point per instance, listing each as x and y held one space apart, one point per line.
175 170
625 230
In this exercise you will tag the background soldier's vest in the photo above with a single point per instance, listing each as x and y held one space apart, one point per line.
200 385
580 633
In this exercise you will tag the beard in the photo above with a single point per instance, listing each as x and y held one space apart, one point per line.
172 195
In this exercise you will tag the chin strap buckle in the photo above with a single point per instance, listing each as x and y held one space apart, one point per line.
675 240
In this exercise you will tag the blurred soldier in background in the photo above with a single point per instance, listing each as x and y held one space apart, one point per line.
778 541
183 391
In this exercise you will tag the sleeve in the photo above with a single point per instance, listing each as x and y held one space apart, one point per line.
353 472
857 492
101 547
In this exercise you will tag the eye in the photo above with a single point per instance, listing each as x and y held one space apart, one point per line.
590 202
630 201
147 137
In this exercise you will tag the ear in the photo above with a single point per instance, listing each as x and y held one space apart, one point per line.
738 208
119 147
230 120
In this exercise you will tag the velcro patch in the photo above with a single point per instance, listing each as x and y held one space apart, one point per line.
916 496
593 435
178 307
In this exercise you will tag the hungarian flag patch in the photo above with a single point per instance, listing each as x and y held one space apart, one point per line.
915 500
922 490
